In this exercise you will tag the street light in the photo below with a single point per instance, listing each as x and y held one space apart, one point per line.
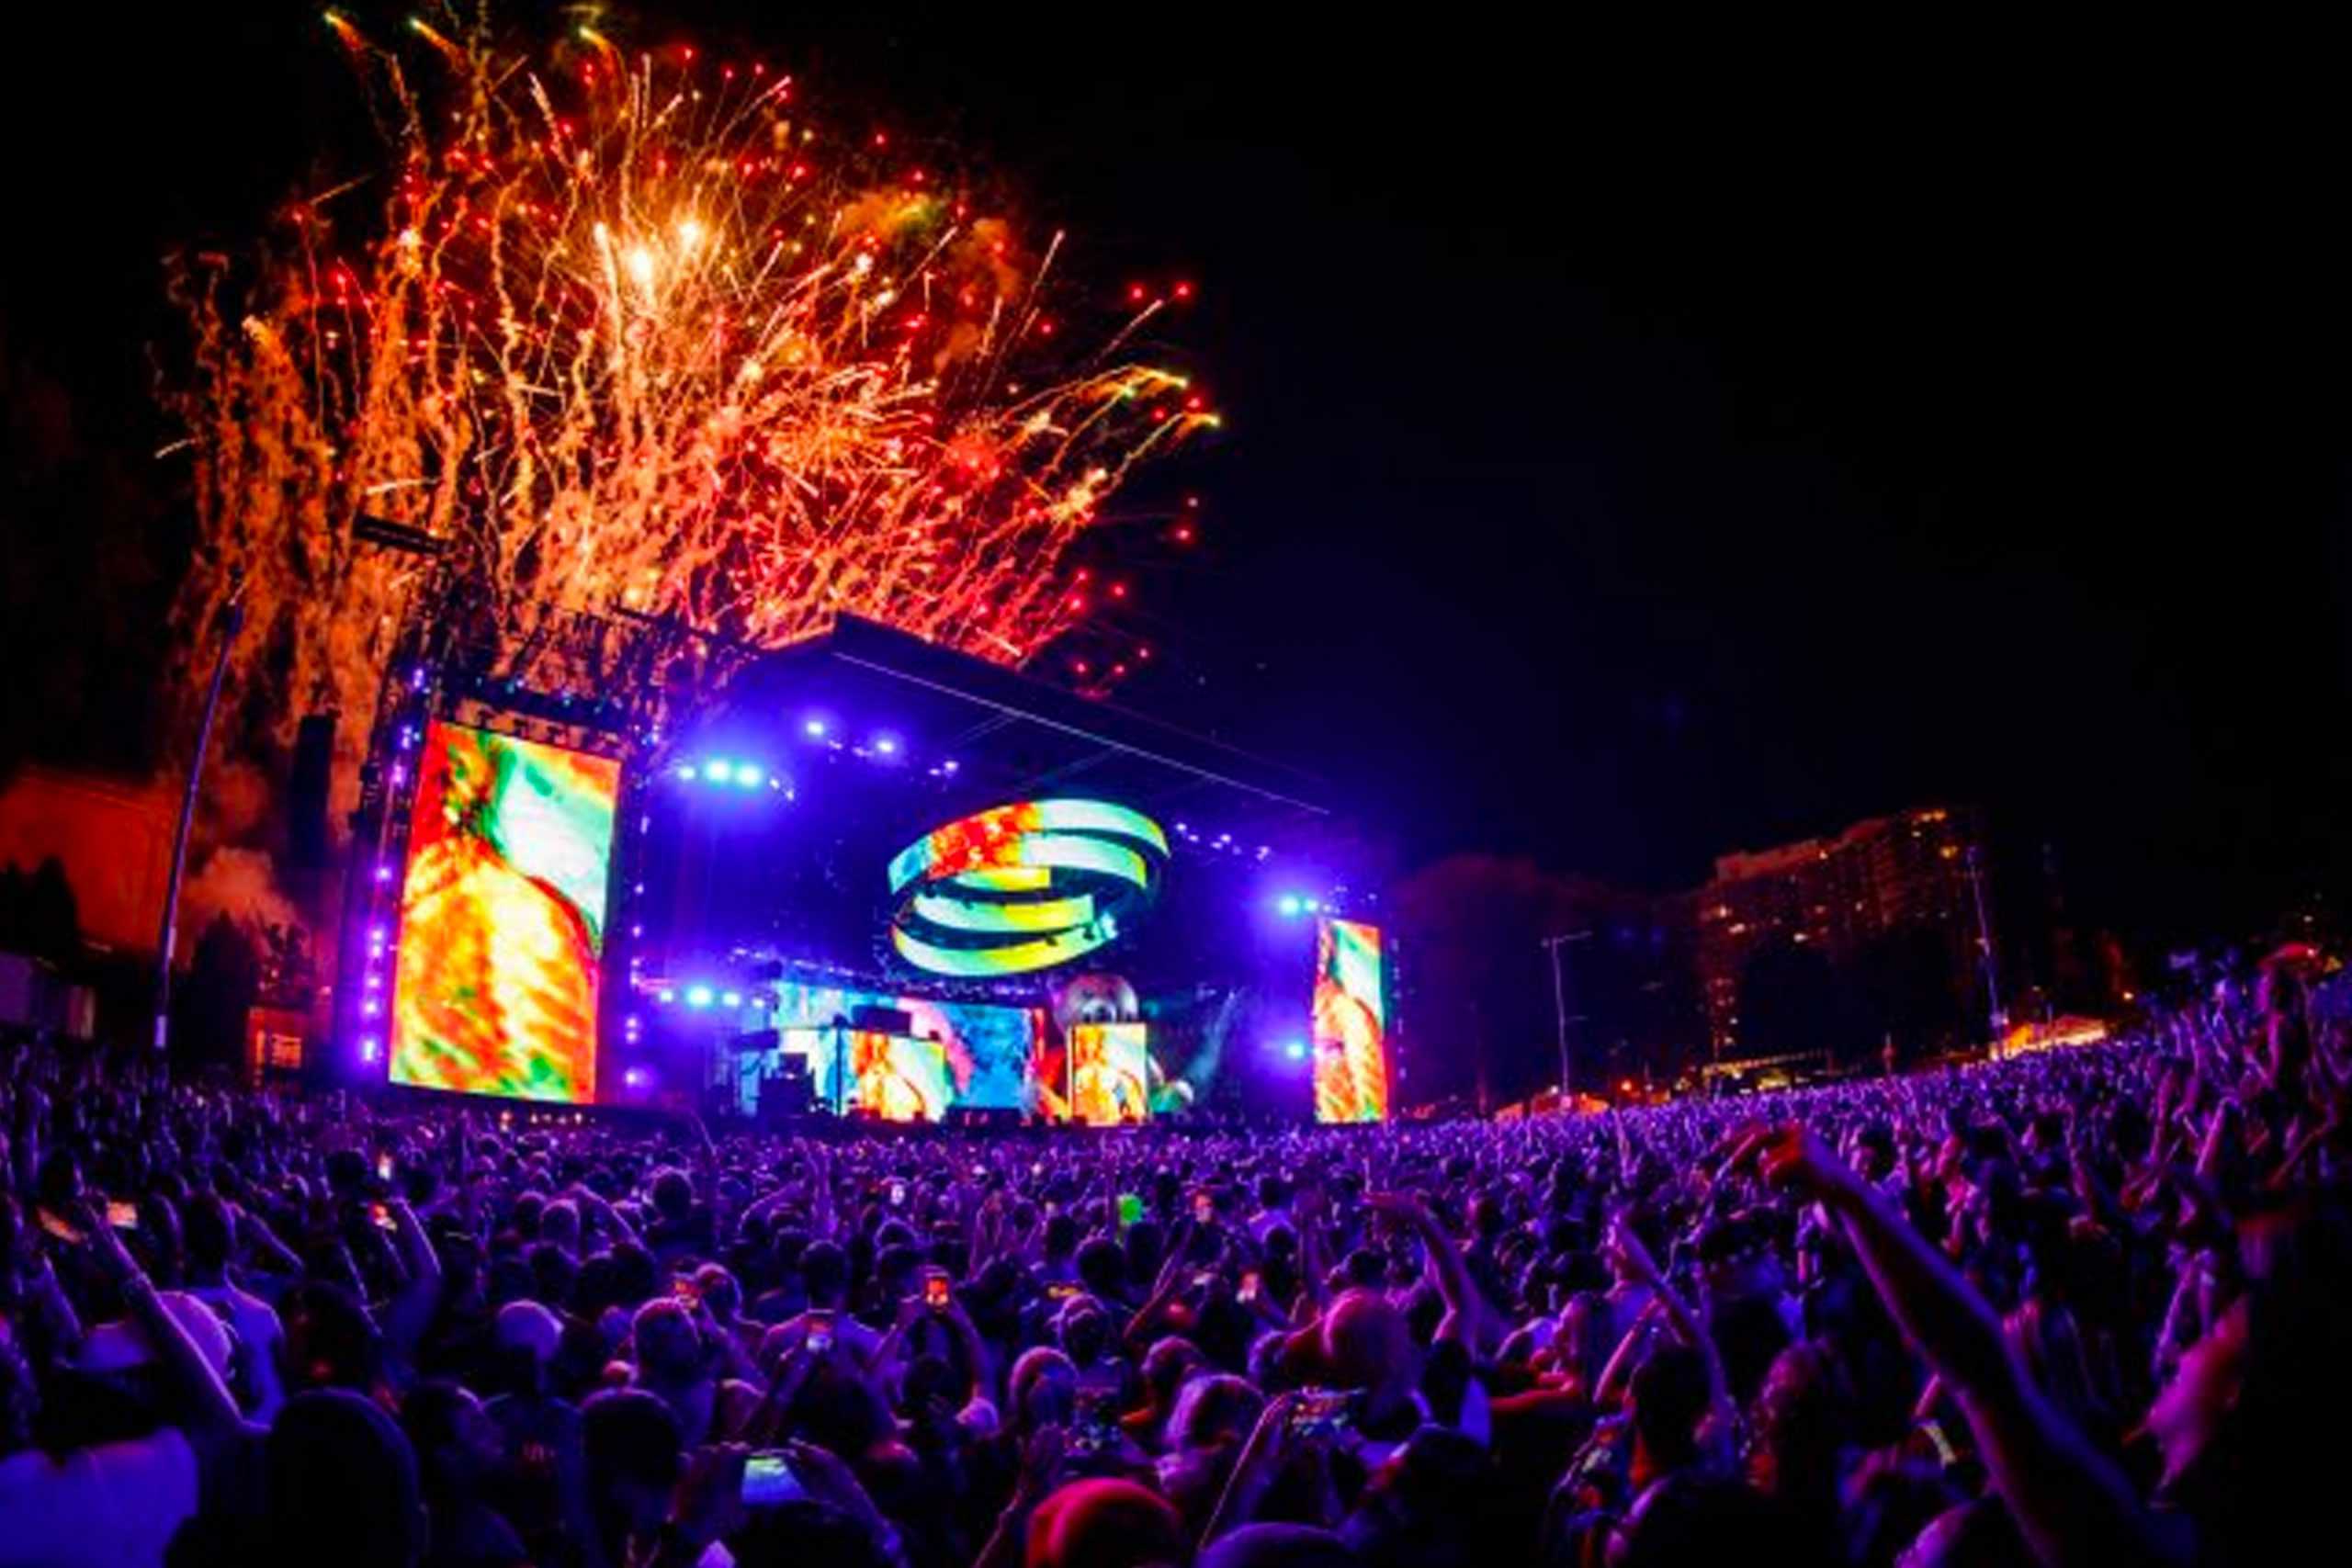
1553 945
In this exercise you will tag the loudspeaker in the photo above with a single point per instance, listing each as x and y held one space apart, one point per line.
787 1093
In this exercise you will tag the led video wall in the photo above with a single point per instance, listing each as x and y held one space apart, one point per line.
896 1076
1351 1023
503 917
1110 1074
984 1053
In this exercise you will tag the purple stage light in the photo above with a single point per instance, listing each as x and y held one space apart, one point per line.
635 1077
368 1047
814 729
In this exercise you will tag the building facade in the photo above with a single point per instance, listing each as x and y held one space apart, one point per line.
1885 912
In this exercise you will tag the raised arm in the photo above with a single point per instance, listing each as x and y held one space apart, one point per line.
1624 1250
207 1409
2073 1505
1466 1317
409 1312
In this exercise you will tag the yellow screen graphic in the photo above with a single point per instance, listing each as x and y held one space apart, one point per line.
503 917
1109 1074
1351 1023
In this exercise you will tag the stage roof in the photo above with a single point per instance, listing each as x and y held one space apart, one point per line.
1005 734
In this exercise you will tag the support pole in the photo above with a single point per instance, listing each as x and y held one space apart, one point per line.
166 939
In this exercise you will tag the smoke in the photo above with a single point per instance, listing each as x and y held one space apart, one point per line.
241 884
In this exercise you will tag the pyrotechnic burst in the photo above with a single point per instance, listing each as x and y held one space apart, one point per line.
631 331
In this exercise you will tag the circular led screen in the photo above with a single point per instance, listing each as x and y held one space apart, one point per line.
1023 887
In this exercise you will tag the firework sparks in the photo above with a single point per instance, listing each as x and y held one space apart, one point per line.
632 332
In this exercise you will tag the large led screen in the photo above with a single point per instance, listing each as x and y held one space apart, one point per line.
1109 1075
897 1078
503 917
986 1051
1351 1023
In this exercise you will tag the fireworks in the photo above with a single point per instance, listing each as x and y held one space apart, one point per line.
631 332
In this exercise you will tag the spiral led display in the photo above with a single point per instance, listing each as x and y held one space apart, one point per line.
1023 887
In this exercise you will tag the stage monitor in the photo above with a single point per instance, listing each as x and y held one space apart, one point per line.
502 917
1351 1023
1110 1074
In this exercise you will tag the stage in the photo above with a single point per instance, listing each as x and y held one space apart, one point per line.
863 877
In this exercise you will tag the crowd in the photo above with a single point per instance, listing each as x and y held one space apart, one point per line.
2079 1308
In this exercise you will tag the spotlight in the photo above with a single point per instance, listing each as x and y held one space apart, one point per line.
719 769
665 996
635 1077
948 766
813 728
699 995
1291 905
1296 1050
751 775
688 772
368 1049
1315 905
885 745
734 998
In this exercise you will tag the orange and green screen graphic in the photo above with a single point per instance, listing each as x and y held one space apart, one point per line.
898 1079
1351 1023
1109 1074
503 917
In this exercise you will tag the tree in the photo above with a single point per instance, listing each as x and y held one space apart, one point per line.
224 976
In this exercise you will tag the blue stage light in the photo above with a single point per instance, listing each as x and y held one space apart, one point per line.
665 996
699 995
885 745
813 728
1291 905
1296 1050
751 775
1315 905
734 998
719 769
688 772
635 1077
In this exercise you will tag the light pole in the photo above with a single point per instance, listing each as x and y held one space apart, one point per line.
1996 1016
165 939
1552 944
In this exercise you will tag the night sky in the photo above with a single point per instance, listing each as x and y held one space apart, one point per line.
1636 447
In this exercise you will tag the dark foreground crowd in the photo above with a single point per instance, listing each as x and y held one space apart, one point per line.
2088 1307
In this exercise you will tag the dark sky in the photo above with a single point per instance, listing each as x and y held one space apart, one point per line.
1637 447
